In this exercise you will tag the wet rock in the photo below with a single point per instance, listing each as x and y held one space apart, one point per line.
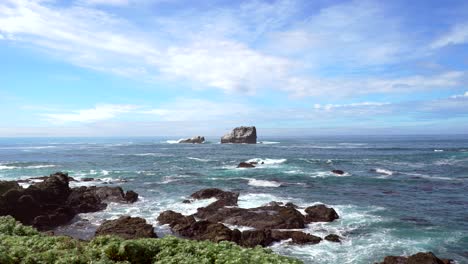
339 172
320 213
252 238
126 227
297 237
131 196
186 201
87 179
51 203
333 238
194 140
7 185
176 221
225 198
245 165
247 135
418 258
264 217
206 230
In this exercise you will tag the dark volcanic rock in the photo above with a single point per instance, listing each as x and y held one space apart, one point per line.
241 135
51 203
194 140
131 196
245 165
7 185
419 258
252 238
298 237
339 172
127 227
264 217
320 213
224 198
176 221
205 230
333 238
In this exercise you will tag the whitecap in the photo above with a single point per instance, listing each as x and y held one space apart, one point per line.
263 183
268 142
324 174
9 167
267 161
438 150
383 171
198 159
104 172
173 141
252 200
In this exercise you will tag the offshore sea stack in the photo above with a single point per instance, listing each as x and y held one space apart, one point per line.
241 135
194 140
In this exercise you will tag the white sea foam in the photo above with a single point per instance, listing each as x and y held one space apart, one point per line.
251 200
198 159
267 161
269 142
438 150
263 183
173 141
384 171
324 174
9 167
152 154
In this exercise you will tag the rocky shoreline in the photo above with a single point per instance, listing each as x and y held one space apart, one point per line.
51 203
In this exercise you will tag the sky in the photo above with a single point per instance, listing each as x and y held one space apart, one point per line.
185 68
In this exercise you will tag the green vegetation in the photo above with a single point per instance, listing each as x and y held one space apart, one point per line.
23 244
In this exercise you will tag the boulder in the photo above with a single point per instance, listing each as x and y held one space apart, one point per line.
264 217
252 238
418 258
246 165
297 237
176 221
7 185
320 213
225 198
126 227
247 135
206 230
194 140
339 172
333 238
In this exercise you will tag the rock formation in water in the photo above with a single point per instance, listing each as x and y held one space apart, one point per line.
194 140
265 219
246 135
52 203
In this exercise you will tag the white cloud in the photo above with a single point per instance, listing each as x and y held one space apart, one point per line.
460 95
352 105
106 2
98 113
458 34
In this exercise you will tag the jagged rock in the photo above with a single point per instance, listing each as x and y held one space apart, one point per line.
419 258
224 198
246 165
7 185
241 134
264 217
126 227
131 196
51 203
339 172
87 179
194 140
176 221
320 213
298 237
206 230
252 238
333 238
186 201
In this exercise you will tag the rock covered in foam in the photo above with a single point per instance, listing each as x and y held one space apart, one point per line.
246 165
193 140
126 227
243 134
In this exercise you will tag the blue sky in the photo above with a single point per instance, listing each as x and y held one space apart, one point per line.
183 68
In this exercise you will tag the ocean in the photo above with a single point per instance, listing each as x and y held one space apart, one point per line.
400 194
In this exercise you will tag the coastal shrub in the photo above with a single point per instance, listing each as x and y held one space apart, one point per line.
21 244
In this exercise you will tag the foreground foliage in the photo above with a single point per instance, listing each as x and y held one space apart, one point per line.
23 244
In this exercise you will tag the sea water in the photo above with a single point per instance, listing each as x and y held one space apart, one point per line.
400 194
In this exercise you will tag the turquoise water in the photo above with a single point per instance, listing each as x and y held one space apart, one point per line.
400 195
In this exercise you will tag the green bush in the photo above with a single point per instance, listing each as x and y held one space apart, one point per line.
22 244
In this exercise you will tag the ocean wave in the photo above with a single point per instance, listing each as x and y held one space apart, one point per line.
29 148
383 171
268 142
264 183
173 141
267 161
198 159
252 200
9 167
438 150
152 154
324 174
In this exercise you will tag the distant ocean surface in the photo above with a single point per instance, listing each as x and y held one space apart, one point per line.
399 196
